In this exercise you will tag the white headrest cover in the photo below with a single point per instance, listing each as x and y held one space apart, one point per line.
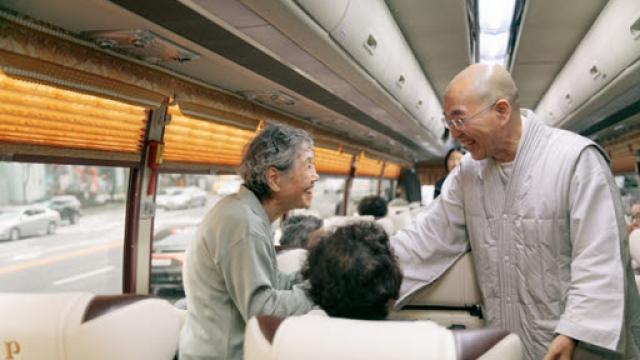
290 261
337 221
456 287
256 346
314 337
51 326
36 323
387 225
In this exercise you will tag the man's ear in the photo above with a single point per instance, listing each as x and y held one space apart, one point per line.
273 178
503 108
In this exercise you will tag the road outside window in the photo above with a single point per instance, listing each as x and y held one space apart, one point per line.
61 227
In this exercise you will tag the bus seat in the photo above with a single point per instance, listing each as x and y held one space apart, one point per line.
387 225
397 209
452 300
415 205
401 217
292 260
182 316
75 326
312 337
333 222
416 211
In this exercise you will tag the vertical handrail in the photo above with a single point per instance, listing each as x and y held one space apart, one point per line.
379 190
138 178
347 185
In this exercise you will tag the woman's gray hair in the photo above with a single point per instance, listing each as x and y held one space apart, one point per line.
296 230
276 145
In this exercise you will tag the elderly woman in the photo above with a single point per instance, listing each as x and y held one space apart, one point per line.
230 271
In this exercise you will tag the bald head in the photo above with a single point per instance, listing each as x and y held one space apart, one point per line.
483 83
482 111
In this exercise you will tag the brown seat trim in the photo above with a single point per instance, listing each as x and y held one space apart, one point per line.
269 324
471 344
104 304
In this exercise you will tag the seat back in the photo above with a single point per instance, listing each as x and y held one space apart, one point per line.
387 225
314 337
401 216
74 326
337 221
292 260
452 300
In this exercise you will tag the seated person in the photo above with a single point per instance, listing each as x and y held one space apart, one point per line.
353 273
301 232
373 205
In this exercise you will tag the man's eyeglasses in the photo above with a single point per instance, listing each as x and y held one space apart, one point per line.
458 123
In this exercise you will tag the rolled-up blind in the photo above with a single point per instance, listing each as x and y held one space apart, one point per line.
368 167
33 113
192 140
391 170
332 162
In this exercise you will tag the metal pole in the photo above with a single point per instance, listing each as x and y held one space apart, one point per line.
347 186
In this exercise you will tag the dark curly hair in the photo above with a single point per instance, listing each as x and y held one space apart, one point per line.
353 272
373 205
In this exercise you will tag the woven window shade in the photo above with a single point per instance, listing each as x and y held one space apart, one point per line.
368 167
38 114
191 140
36 70
391 170
332 162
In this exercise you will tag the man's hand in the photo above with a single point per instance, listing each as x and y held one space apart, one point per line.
561 348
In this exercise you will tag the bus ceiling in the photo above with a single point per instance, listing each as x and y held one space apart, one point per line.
371 81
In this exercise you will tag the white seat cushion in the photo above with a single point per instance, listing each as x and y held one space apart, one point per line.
333 222
456 290
387 225
290 261
75 326
317 337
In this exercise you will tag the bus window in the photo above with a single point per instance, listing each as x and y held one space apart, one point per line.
182 200
361 187
61 227
327 195
386 189
629 186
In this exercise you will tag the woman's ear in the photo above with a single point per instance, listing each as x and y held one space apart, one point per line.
273 178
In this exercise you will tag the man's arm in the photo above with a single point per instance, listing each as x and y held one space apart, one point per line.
595 299
434 241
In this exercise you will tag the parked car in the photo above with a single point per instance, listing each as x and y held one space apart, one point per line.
16 223
67 205
173 198
167 258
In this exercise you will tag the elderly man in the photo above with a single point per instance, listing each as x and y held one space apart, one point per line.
542 216
230 271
